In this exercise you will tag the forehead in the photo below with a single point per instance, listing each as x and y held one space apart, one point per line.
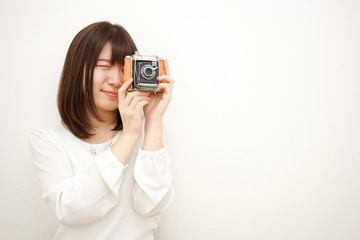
105 52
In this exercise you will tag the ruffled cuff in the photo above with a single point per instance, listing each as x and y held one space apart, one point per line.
152 164
153 191
156 153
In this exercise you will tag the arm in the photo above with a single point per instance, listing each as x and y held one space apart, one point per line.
155 110
80 199
153 191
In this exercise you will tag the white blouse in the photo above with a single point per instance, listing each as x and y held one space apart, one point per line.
97 197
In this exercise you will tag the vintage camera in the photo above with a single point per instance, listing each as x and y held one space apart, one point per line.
144 69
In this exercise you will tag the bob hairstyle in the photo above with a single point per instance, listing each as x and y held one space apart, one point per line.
75 95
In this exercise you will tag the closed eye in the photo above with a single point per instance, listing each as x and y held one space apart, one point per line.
103 66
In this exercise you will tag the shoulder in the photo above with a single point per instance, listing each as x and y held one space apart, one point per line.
49 131
54 133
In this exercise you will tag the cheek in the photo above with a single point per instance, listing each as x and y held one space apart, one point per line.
98 80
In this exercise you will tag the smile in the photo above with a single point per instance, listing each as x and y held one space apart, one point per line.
111 94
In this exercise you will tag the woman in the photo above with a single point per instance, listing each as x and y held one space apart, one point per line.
104 168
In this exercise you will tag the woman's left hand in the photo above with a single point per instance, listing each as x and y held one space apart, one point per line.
155 110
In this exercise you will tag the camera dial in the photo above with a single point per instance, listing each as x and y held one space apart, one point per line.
148 71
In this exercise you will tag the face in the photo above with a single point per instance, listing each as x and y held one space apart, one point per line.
107 80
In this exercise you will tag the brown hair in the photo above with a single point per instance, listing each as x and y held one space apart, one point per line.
75 97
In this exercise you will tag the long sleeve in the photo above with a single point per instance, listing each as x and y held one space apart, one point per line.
77 199
153 190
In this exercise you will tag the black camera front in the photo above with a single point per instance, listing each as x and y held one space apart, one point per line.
146 72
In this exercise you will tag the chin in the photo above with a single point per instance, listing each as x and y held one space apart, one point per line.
110 107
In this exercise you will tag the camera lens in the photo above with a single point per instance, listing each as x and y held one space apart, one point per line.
148 71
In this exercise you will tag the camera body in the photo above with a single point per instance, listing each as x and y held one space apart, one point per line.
144 69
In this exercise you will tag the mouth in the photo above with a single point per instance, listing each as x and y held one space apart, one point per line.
111 93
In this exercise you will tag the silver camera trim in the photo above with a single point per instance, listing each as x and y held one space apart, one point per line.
137 56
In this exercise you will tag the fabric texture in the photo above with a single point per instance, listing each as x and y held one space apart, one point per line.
97 197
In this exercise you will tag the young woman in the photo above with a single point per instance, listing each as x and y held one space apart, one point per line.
103 168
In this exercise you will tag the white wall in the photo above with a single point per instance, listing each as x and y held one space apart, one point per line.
264 123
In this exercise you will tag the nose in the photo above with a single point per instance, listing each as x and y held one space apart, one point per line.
116 76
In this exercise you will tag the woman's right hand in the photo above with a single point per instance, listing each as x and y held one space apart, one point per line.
130 106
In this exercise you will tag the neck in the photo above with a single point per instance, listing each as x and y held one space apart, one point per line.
102 129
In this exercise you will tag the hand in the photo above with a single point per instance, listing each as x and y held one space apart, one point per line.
130 106
154 111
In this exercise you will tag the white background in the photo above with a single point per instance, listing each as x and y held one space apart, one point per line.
264 123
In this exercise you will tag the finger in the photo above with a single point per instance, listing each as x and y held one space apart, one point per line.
166 68
129 97
136 101
140 105
164 79
164 87
123 89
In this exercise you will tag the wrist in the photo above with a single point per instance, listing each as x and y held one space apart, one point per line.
130 137
154 117
153 123
153 136
153 129
123 146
